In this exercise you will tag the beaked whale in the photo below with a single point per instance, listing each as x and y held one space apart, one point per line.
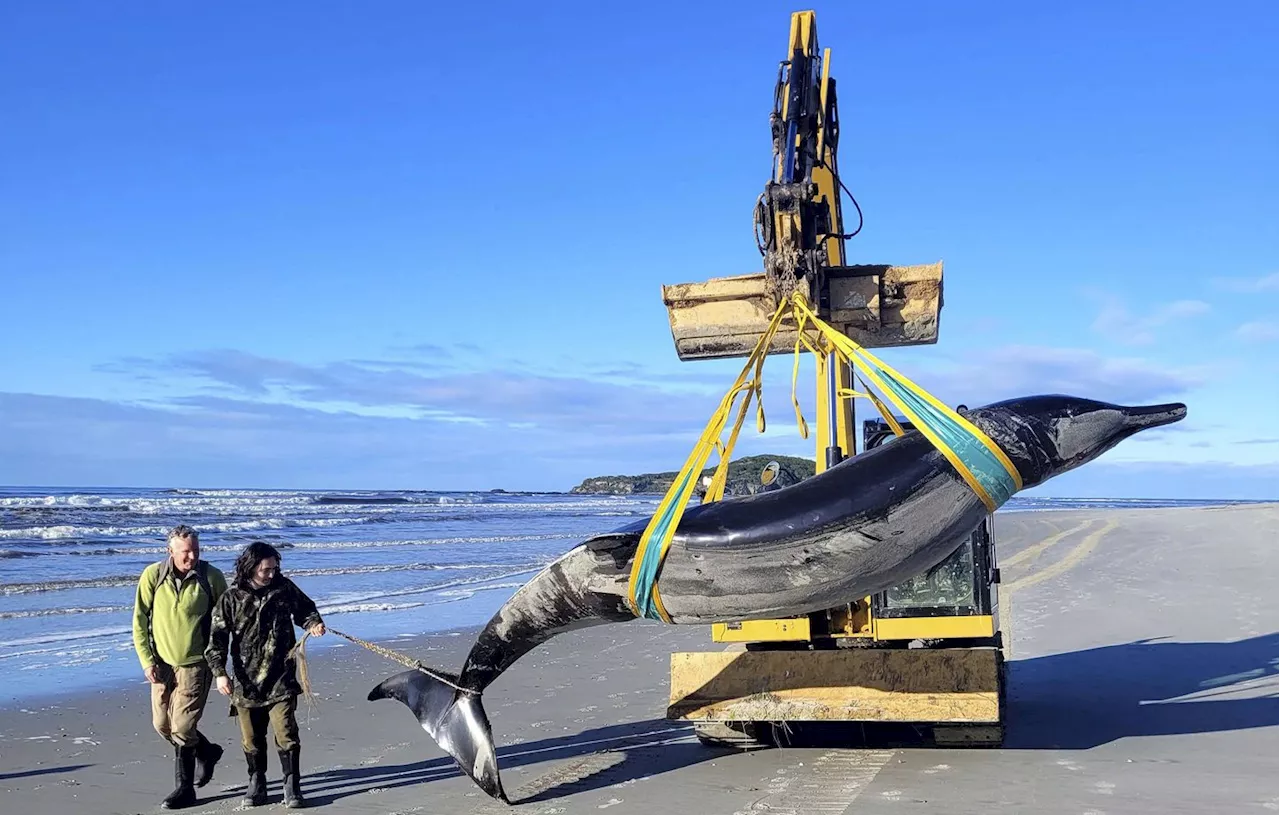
863 526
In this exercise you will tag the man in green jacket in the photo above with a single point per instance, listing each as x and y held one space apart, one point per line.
172 614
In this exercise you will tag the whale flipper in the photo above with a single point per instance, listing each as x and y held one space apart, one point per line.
454 718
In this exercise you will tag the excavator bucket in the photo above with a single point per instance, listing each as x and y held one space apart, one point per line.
875 305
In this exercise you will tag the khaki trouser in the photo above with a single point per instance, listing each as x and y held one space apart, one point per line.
253 726
177 701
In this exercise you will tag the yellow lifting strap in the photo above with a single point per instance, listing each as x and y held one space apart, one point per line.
978 460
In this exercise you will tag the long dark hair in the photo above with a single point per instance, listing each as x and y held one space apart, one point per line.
249 559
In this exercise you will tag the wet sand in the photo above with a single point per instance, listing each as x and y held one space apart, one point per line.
1143 652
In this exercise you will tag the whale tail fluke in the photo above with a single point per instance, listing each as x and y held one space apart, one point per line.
454 718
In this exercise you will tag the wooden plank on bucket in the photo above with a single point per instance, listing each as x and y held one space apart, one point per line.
877 306
887 685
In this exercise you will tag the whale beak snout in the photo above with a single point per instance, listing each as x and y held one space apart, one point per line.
1141 418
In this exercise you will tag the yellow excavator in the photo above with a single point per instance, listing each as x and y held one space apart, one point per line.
926 654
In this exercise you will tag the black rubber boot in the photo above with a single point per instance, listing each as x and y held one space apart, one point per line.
207 755
292 788
184 771
255 793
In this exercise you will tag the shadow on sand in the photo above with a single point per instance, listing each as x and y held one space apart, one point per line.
70 768
1074 701
614 754
1082 699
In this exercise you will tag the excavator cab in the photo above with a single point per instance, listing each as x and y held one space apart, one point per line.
962 586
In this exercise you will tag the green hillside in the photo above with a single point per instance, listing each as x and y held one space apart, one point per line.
744 477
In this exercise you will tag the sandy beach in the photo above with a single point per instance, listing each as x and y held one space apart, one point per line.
1143 648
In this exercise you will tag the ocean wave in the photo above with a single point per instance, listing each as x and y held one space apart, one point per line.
438 589
63 522
446 500
195 507
64 531
79 515
119 581
354 608
49 501
234 493
443 597
423 541
57 612
79 549
573 508
472 591
348 571
65 585
74 651
67 636
348 602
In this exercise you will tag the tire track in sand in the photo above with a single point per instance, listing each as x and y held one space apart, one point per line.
1069 561
1036 549
829 787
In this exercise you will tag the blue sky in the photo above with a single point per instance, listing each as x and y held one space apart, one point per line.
418 245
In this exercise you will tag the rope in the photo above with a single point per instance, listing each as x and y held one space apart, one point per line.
300 659
979 461
642 595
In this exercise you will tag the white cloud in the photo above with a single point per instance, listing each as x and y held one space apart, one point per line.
1259 331
233 443
1117 322
69 441
566 403
1246 285
1023 370
234 418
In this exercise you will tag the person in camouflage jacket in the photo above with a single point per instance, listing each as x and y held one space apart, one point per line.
253 624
